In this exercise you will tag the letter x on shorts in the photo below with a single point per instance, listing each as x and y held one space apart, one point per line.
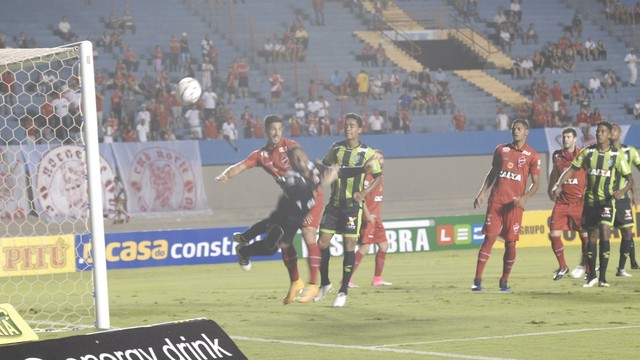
344 220
624 214
593 216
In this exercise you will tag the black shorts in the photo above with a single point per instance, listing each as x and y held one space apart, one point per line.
593 216
624 215
342 220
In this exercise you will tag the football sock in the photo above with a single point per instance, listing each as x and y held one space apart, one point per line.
632 253
592 253
380 257
584 240
605 250
558 249
625 248
324 267
508 259
483 255
314 262
347 267
359 257
290 259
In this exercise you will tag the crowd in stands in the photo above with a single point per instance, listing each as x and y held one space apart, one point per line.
620 13
144 107
290 46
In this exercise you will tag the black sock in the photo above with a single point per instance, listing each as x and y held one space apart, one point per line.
625 246
324 267
347 269
605 251
592 253
632 253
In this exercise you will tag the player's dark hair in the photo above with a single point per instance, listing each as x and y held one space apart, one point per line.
270 119
605 124
523 122
355 117
570 130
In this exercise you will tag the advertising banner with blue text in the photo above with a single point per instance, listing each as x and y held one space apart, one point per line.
164 248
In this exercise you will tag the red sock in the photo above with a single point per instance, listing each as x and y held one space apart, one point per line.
314 262
508 259
380 256
290 259
483 255
359 257
558 249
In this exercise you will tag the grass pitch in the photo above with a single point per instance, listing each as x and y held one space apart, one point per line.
429 312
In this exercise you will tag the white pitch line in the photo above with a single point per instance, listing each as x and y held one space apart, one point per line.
515 335
369 348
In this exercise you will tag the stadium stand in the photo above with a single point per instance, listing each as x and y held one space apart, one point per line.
240 30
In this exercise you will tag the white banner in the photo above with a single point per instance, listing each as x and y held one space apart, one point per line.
162 178
58 181
108 174
554 139
14 203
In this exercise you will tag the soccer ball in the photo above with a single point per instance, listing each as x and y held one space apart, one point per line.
189 90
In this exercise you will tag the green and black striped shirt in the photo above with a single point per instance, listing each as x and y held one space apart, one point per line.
602 169
342 190
633 158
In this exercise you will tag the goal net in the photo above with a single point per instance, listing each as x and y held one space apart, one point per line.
50 190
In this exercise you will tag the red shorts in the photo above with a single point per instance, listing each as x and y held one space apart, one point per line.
373 233
566 217
503 220
316 211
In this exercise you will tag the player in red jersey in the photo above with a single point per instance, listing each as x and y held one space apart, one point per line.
273 159
567 211
513 164
373 231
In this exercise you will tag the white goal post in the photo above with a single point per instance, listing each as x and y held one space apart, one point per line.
51 188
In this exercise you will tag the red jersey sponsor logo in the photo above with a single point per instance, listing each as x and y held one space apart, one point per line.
573 188
514 166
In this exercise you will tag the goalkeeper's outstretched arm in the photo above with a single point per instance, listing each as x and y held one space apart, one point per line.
230 172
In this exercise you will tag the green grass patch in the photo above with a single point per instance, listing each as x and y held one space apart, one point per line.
428 312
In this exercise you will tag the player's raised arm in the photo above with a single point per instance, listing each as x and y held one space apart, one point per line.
557 187
330 175
230 172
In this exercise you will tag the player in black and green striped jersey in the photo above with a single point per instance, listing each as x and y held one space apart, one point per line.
343 213
602 163
624 215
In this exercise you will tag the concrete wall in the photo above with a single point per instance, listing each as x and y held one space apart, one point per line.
420 180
